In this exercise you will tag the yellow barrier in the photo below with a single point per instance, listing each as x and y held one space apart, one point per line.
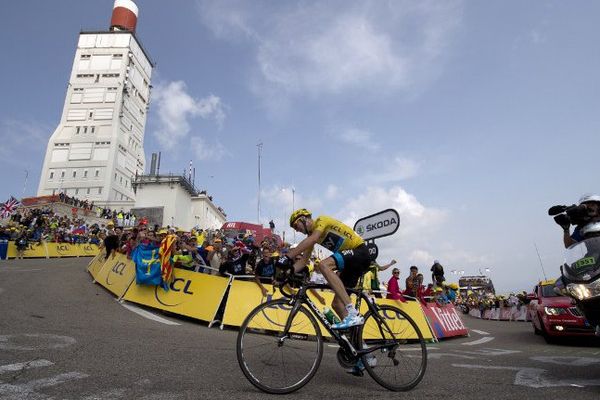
192 294
52 250
245 296
199 295
34 250
96 265
116 274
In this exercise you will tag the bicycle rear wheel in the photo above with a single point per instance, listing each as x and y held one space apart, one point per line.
271 362
399 359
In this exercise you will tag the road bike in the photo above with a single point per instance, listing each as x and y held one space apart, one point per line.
280 344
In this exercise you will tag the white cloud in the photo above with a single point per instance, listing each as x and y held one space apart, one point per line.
176 108
358 137
331 192
328 47
205 151
394 170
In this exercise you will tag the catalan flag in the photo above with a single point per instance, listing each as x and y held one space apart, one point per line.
167 247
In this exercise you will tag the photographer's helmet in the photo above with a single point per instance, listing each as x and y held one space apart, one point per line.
588 198
302 212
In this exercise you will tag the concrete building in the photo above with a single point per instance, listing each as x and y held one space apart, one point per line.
172 200
98 146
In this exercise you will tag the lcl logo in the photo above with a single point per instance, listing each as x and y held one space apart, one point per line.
62 248
178 285
118 268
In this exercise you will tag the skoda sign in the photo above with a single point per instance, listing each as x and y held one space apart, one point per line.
383 223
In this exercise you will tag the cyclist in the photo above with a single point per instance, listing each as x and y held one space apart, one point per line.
350 257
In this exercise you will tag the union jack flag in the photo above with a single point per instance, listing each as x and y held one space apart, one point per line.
9 207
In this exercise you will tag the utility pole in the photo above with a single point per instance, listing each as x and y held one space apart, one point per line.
540 258
259 146
25 184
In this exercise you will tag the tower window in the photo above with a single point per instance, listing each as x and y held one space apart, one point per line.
51 175
74 174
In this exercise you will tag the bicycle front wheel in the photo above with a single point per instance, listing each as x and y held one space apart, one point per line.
399 357
274 362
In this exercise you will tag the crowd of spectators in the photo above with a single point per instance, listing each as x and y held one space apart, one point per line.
214 252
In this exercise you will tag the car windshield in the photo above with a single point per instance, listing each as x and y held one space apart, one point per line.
584 257
548 291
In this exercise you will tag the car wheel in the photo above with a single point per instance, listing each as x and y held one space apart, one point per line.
549 339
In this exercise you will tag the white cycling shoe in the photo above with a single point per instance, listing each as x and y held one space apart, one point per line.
350 321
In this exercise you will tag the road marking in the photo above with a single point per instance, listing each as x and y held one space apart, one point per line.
490 352
479 341
533 377
20 270
36 341
25 365
565 360
437 356
28 390
480 332
148 315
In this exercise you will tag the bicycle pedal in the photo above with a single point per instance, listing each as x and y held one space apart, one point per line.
356 372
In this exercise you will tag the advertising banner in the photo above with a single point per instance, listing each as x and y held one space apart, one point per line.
87 250
192 294
116 275
397 323
378 225
62 250
244 296
34 250
444 320
96 265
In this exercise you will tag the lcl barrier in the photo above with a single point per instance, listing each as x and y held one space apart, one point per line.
52 250
201 296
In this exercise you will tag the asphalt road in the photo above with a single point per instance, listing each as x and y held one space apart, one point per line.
63 337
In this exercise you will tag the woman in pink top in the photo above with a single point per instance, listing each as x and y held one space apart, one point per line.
392 287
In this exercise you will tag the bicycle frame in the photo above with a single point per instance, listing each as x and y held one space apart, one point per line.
300 298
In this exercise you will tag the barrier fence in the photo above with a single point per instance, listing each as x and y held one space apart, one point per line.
513 313
49 250
201 296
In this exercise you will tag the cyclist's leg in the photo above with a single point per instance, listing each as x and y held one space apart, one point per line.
327 267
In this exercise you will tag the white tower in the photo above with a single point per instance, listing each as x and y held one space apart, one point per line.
98 147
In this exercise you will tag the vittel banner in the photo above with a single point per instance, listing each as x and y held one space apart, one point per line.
383 223
444 320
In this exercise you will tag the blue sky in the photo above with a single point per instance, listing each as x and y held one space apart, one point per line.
470 118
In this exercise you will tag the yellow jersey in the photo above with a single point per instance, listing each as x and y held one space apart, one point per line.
335 235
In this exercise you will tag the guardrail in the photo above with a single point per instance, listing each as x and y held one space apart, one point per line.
8 249
226 301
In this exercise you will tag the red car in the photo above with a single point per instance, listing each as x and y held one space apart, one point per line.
553 315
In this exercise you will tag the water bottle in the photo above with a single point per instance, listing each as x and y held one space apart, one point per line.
330 315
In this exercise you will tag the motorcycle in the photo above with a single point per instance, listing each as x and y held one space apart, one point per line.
580 273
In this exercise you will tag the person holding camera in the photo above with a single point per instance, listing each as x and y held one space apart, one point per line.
587 210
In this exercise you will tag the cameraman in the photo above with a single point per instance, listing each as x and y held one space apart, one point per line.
590 205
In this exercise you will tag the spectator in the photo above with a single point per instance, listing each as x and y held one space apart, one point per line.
437 273
235 263
264 271
371 278
392 287
413 282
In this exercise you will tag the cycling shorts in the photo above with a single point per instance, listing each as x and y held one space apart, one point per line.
352 264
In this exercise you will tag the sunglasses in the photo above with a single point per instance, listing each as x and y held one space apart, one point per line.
396 272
